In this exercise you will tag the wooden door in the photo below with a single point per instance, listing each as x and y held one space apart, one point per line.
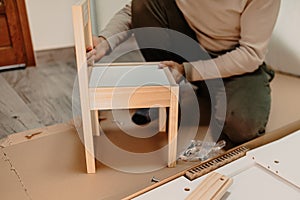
15 41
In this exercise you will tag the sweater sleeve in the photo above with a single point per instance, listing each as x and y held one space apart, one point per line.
257 23
116 31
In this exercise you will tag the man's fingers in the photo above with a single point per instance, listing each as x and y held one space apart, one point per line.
91 60
167 63
89 48
90 53
164 64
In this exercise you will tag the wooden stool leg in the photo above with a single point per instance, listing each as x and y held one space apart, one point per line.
162 119
173 126
88 142
90 162
95 122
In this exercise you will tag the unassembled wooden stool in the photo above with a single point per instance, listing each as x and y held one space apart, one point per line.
125 86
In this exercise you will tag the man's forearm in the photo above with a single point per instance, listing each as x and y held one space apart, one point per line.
115 30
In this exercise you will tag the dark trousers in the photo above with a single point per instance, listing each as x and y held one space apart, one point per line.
247 96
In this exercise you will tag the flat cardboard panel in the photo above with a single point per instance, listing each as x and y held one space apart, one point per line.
11 187
53 167
285 98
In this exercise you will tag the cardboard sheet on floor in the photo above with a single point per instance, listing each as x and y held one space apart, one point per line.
11 187
51 165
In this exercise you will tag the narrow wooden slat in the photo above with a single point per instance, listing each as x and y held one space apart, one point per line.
173 126
82 70
213 187
95 122
162 119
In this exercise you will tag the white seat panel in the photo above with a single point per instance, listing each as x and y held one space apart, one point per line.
128 76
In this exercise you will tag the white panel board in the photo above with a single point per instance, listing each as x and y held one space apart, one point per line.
250 179
281 157
128 76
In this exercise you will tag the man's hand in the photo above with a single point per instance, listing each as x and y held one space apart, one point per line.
176 69
101 47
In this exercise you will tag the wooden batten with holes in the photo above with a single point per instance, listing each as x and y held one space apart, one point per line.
212 187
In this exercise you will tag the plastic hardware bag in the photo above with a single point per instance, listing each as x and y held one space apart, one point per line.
200 151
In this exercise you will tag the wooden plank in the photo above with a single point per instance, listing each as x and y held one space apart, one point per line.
95 122
15 115
129 97
173 126
82 71
213 187
162 117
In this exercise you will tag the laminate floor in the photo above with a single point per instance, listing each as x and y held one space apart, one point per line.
38 96
41 96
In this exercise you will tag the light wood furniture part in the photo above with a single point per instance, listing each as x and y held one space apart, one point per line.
212 187
120 86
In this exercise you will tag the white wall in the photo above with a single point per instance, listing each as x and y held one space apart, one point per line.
51 27
284 49
50 23
105 9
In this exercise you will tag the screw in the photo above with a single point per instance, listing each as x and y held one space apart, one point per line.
154 180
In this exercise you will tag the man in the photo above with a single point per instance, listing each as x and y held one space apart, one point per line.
235 33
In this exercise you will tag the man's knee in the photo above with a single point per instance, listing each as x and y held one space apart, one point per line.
241 130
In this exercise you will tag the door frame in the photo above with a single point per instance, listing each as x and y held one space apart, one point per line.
28 48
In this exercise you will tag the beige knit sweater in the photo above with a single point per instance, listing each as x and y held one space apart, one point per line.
242 26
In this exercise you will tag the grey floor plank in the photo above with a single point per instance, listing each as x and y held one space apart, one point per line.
33 84
45 91
53 110
15 115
